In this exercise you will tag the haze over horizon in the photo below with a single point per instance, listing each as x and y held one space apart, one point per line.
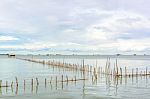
75 26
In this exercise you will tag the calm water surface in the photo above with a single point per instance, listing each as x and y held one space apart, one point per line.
106 87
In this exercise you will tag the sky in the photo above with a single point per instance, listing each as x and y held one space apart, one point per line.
75 26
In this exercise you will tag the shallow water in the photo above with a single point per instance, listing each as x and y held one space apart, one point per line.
106 87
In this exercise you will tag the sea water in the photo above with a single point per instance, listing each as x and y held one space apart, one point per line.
106 87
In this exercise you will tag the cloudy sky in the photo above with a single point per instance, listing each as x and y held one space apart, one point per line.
75 26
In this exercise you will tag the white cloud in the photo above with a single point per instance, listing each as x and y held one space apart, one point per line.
134 44
8 38
108 33
29 46
117 23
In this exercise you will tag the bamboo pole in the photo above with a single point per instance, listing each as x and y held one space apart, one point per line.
75 78
6 83
136 71
132 72
16 81
24 83
62 82
62 78
37 82
45 82
0 83
125 71
146 71
51 80
12 84
117 66
67 78
56 82
120 71
32 82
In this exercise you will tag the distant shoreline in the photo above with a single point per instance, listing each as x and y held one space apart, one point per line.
75 55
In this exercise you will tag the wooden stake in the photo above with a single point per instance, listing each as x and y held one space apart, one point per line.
67 78
132 72
32 82
0 83
45 82
125 71
117 66
146 71
37 82
56 82
12 84
136 71
62 78
24 87
16 81
120 71
6 83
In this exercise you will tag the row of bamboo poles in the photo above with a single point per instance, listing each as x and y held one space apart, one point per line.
108 70
72 67
35 82
62 80
116 71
